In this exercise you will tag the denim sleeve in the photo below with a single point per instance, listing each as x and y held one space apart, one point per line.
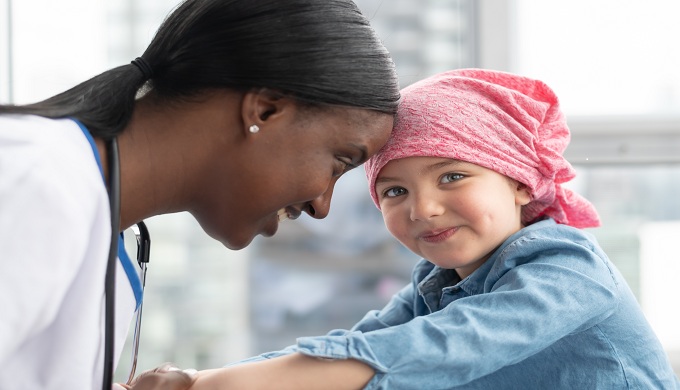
529 302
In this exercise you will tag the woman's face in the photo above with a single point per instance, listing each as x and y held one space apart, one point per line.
290 166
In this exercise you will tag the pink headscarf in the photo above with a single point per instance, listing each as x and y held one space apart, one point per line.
504 122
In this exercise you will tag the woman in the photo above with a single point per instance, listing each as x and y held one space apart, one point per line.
242 113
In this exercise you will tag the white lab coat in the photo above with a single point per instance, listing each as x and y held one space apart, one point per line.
54 243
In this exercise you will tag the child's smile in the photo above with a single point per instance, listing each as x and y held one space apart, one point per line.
452 213
437 236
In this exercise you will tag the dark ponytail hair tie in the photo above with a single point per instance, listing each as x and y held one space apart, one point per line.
144 66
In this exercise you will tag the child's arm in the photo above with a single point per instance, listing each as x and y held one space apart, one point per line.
520 312
294 372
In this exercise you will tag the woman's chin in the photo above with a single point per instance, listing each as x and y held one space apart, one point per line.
243 240
232 240
235 244
237 239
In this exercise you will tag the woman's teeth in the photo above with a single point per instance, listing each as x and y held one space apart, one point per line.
283 215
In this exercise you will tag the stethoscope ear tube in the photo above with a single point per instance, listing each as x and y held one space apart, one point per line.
110 281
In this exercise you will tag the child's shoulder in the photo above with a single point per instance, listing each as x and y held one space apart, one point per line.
549 242
548 232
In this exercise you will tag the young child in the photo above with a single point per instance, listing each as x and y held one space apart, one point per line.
510 292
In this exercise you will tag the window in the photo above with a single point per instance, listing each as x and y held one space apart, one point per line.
611 64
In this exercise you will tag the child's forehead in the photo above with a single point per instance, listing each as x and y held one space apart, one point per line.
427 163
426 160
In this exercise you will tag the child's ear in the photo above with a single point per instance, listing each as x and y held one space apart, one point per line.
522 194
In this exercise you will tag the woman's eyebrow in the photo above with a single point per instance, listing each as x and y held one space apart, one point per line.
363 153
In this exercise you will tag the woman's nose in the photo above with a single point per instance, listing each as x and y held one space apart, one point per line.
425 207
320 206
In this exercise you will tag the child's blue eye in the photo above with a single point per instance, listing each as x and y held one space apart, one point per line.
394 191
451 177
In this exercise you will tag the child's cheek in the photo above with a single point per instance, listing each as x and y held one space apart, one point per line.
396 223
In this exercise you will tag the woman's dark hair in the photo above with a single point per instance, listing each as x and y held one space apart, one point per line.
320 52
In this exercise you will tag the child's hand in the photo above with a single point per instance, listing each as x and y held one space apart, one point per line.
165 377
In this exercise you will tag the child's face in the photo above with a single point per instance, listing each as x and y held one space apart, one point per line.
452 213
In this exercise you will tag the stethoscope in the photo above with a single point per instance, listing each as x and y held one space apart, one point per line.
143 251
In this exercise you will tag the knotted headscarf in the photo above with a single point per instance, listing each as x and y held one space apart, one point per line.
504 122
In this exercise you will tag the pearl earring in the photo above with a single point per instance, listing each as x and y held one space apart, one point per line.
254 129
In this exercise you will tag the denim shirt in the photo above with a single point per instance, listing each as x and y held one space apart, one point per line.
547 310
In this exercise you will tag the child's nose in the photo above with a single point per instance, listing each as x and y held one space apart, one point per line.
425 207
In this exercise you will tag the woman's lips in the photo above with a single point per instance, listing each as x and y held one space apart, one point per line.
272 226
288 213
436 236
282 215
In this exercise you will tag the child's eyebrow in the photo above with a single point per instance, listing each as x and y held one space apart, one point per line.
443 164
384 179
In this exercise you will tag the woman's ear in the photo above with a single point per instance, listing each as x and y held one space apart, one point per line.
261 107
